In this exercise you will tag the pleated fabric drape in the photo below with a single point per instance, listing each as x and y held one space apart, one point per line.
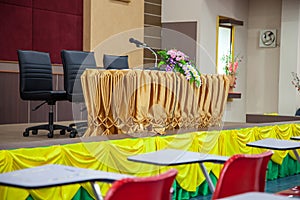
111 156
128 101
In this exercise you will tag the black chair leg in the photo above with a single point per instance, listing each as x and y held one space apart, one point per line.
48 127
34 129
80 127
51 127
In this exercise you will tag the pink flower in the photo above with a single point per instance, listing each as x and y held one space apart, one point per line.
180 56
230 67
177 61
235 66
172 53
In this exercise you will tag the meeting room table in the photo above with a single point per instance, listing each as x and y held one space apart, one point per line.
295 138
172 157
277 144
256 196
136 100
52 175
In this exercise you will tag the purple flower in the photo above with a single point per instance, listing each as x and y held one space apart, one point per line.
187 72
188 76
185 68
171 61
169 68
177 60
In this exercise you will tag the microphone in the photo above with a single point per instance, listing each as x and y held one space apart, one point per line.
137 43
143 45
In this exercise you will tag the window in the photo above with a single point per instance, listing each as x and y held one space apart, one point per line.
225 40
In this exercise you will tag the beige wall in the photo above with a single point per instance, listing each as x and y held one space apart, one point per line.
111 23
108 25
264 77
289 97
205 12
263 63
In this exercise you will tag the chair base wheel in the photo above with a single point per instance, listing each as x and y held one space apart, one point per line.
25 134
73 134
69 129
50 135
34 132
63 132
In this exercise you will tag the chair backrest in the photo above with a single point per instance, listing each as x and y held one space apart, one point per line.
74 64
35 73
243 173
148 188
297 112
115 62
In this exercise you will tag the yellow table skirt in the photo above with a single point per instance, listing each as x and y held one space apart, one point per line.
112 156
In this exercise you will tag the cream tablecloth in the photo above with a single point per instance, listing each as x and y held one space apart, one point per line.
128 101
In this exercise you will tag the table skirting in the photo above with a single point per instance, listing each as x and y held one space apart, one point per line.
112 156
128 101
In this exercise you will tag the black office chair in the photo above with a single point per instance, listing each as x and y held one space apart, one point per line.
74 64
115 62
36 85
297 112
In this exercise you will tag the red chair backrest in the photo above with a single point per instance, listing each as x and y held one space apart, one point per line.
146 188
243 173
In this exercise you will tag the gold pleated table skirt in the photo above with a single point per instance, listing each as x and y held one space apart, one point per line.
130 101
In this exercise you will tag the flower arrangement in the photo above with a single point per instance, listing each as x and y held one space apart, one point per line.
179 62
231 65
296 81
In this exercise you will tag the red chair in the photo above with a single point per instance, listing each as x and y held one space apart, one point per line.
243 173
146 188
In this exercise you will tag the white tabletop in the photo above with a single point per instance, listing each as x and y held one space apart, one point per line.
256 196
168 157
275 144
295 138
55 175
176 157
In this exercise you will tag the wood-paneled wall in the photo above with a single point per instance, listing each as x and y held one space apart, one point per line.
40 25
15 110
90 22
152 28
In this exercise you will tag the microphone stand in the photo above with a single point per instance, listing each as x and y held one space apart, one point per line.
150 49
